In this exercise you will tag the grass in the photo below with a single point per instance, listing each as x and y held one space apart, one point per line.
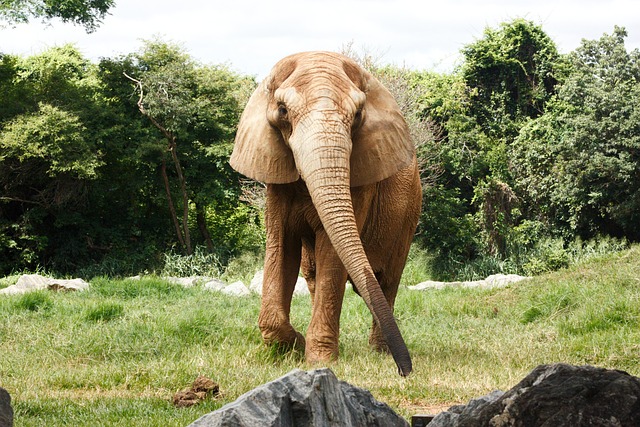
115 354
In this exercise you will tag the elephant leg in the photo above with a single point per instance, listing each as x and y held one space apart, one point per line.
282 263
324 328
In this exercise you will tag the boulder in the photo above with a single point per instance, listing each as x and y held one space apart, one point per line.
304 398
6 412
558 395
237 289
34 282
256 284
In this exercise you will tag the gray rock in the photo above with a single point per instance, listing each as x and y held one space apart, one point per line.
215 285
300 398
454 415
237 289
301 287
187 282
6 412
491 282
33 282
556 395
256 284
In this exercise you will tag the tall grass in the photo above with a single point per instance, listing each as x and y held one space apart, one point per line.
115 354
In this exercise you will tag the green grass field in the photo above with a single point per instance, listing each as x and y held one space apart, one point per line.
114 355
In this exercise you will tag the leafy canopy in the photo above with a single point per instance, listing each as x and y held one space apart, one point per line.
88 13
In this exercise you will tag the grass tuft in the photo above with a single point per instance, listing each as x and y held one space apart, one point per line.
104 312
35 301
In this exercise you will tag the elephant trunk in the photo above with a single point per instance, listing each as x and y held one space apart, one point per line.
323 162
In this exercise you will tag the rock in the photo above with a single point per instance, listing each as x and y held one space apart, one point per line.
301 287
200 389
454 415
215 285
256 284
237 289
503 280
6 411
300 398
34 282
556 395
493 281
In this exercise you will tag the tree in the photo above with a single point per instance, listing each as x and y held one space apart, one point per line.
50 156
578 166
88 13
511 74
195 109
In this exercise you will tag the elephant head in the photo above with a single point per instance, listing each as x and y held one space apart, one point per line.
321 118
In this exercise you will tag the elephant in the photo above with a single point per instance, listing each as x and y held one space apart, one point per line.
343 197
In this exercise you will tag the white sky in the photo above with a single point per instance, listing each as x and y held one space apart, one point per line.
251 35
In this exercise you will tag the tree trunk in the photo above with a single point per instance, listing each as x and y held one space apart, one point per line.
184 236
172 208
183 190
202 226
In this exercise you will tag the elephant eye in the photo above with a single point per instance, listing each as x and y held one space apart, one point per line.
282 111
358 116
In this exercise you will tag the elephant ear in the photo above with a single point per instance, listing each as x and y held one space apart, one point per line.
382 145
259 151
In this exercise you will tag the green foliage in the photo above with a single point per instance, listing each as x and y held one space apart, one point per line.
523 153
418 267
510 73
81 168
244 266
577 166
86 13
49 142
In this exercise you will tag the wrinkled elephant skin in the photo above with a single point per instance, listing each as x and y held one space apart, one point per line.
343 197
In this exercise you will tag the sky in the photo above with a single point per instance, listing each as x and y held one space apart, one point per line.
250 36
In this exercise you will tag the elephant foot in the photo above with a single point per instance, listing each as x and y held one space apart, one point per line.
290 339
317 352
377 342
